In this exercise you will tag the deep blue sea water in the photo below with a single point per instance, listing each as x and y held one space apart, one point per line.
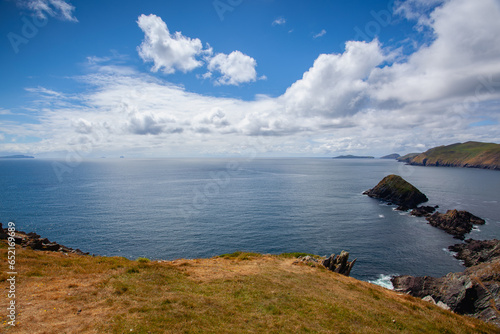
191 208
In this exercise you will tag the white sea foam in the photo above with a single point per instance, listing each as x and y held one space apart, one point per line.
449 252
381 216
384 281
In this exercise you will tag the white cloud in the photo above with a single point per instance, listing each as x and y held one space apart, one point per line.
279 21
172 52
168 52
465 51
418 10
54 8
336 84
360 101
236 68
321 33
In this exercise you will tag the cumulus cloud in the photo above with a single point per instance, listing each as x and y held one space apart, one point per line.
465 51
173 52
59 9
336 85
235 68
168 52
215 117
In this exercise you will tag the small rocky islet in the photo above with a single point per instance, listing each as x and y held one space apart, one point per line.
394 189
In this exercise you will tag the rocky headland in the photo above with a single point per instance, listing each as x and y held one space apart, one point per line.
474 292
391 156
407 157
470 154
394 189
36 242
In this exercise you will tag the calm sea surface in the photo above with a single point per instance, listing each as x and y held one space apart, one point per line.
191 208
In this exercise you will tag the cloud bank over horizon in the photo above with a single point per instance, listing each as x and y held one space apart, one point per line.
369 99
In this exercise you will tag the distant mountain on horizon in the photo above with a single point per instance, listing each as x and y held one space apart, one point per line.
349 156
18 156
470 154
391 156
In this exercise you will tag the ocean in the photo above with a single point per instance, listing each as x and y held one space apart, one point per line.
193 208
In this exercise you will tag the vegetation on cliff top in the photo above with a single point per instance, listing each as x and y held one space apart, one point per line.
470 154
394 189
240 292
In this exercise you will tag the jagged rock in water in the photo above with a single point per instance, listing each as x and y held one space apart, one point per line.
339 264
394 189
457 223
474 252
423 211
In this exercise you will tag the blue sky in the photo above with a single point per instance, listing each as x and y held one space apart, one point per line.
218 78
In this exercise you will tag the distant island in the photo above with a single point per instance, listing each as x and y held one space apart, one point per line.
17 157
353 157
391 156
470 154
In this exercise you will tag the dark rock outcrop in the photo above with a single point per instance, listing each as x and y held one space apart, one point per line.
457 223
423 211
474 252
339 264
34 241
394 189
474 292
308 260
3 234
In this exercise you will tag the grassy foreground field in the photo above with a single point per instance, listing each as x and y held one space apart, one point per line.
235 293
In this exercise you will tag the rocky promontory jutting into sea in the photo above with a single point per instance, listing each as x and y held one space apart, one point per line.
474 292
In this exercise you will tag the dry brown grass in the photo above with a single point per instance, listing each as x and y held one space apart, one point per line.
245 293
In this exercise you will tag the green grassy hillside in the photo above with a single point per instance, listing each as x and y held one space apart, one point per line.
469 154
236 293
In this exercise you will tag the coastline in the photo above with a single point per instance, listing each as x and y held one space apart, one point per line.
70 292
